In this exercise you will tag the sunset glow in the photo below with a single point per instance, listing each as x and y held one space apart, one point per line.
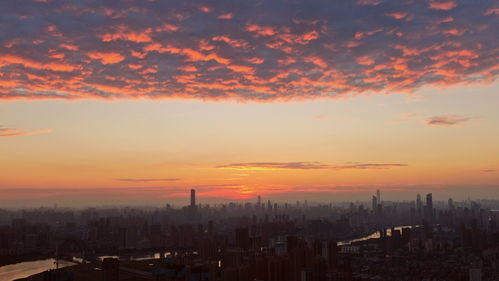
139 101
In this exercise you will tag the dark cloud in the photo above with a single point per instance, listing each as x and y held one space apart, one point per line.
242 50
307 166
447 120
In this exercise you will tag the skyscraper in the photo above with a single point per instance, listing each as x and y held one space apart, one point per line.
193 198
374 204
429 207
378 195
419 206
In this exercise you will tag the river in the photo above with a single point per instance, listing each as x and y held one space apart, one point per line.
24 269
375 235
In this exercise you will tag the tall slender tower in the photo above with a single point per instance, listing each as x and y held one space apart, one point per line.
429 207
419 206
193 198
378 196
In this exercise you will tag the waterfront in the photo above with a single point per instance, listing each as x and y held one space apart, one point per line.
374 235
24 269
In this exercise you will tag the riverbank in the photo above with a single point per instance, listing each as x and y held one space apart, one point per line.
24 269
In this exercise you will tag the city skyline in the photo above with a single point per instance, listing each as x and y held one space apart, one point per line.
249 140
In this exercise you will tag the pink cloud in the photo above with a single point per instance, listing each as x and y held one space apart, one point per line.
442 5
226 16
107 57
15 132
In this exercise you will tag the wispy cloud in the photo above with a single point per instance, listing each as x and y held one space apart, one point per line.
368 166
221 51
274 166
320 117
447 120
489 170
307 166
147 180
15 132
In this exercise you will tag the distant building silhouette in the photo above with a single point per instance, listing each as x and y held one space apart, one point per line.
193 198
429 207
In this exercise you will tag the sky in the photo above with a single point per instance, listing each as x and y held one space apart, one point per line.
137 102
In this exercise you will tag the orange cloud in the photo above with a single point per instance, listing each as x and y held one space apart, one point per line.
241 69
11 132
261 30
167 27
135 66
123 33
256 60
360 35
55 66
442 5
316 60
106 58
233 42
398 15
206 9
193 55
226 16
266 58
69 47
455 31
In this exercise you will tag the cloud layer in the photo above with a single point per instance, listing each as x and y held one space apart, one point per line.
307 166
242 50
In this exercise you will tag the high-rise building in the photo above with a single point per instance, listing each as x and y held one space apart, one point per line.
419 207
378 195
193 198
429 207
374 203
